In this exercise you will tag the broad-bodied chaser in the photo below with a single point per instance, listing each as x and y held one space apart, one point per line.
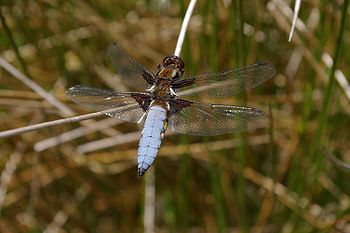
162 103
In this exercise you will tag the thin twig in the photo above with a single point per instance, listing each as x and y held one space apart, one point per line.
29 128
184 27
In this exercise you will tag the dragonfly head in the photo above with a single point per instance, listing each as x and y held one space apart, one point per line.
171 67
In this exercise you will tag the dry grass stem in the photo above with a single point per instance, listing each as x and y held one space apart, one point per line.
12 132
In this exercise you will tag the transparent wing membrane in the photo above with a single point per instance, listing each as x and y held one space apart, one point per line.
186 117
214 119
128 68
123 105
229 82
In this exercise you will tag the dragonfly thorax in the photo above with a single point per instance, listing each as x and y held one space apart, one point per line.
161 90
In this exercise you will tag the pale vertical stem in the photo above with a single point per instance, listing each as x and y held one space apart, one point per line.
184 27
295 17
150 199
150 190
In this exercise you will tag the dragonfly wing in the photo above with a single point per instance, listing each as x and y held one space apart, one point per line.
127 106
133 73
227 83
202 119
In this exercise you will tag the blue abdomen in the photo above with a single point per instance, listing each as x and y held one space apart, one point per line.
151 138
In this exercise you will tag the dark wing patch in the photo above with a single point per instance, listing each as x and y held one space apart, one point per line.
177 105
143 99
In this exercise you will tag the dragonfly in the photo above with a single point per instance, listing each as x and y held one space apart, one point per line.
165 100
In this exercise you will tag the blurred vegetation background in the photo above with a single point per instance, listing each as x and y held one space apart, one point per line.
71 178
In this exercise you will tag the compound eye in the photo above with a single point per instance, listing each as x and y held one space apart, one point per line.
173 60
167 61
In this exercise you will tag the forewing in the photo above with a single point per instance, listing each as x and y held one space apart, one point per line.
125 106
133 73
215 119
229 82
